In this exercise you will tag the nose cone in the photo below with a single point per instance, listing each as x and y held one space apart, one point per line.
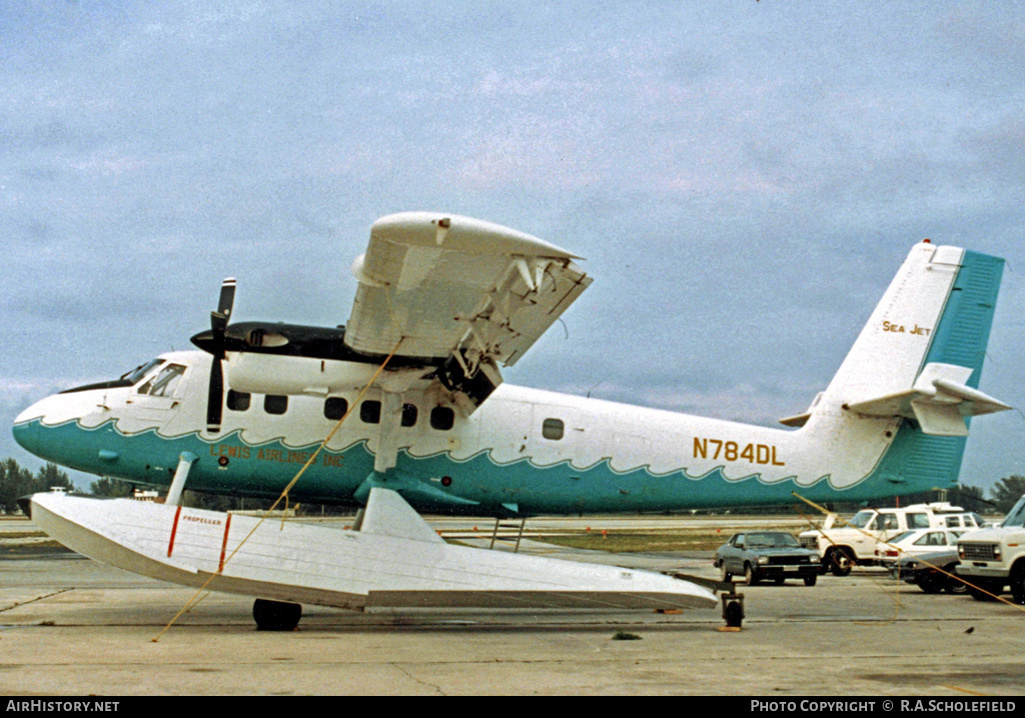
26 430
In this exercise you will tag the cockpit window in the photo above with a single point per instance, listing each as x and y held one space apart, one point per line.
164 383
140 371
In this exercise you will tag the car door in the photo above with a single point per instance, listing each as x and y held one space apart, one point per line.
735 556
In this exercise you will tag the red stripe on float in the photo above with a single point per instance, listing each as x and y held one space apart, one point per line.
224 544
174 530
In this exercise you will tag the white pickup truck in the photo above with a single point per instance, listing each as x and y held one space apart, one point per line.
995 557
856 540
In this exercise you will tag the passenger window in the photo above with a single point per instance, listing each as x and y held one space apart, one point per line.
370 412
954 522
335 408
442 418
552 429
409 414
275 404
918 521
238 401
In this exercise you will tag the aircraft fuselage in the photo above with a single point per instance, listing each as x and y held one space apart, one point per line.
524 451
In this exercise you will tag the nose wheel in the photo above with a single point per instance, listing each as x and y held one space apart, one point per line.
276 615
732 611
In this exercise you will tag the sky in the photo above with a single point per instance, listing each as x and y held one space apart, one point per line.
742 179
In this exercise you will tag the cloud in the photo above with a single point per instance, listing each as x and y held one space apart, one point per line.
743 180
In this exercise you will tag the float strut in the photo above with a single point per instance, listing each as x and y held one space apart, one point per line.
185 462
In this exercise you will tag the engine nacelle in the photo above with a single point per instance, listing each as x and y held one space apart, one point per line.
277 374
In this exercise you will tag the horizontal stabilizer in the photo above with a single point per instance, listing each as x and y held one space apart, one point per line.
939 401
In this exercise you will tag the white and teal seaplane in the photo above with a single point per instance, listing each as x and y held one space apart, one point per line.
404 410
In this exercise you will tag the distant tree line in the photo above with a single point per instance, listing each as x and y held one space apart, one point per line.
16 481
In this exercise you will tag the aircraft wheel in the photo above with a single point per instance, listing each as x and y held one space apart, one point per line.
733 612
276 615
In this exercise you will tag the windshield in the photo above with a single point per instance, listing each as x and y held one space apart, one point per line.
164 383
140 371
901 537
861 519
772 540
1016 516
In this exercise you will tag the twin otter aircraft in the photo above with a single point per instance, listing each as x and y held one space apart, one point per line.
443 303
452 299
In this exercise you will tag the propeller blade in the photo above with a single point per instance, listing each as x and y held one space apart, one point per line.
218 325
215 398
219 319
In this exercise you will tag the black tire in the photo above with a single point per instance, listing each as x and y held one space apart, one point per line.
1018 585
751 575
276 615
779 581
981 589
930 582
840 562
954 586
810 580
734 612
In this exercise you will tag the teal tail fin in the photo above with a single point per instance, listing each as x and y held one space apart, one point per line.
916 367
920 460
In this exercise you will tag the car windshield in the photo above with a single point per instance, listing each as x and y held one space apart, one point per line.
772 540
861 519
1016 516
901 537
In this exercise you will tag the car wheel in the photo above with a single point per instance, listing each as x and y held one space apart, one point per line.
955 586
840 562
750 575
725 573
929 582
779 581
1018 585
981 590
810 580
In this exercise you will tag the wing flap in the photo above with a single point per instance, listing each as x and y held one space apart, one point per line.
460 291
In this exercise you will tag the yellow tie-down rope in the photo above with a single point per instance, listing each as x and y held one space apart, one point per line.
896 548
200 595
